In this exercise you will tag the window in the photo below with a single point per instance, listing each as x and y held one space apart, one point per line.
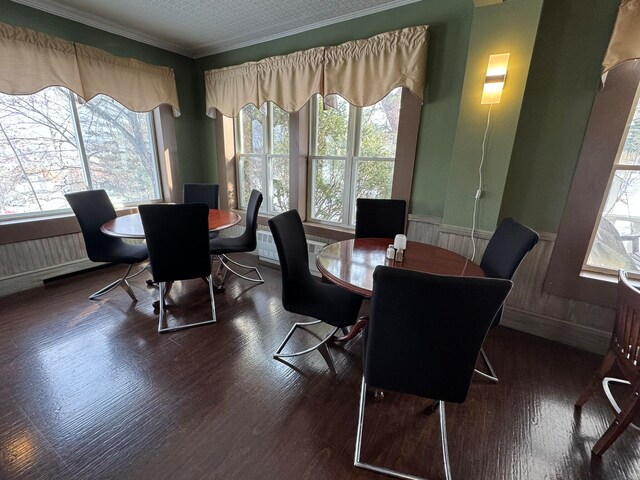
352 155
615 243
51 143
262 155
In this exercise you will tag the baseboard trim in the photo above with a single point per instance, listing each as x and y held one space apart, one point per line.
35 278
579 336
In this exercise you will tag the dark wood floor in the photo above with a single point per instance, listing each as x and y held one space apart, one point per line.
90 390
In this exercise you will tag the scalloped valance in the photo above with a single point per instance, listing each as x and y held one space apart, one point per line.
625 39
33 60
361 71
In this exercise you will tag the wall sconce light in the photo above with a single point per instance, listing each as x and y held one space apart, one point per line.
494 80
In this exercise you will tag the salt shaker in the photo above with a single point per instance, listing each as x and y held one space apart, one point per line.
391 252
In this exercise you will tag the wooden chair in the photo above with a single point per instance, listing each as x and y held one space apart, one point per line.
624 350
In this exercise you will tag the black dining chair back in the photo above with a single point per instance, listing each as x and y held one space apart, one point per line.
178 242
380 218
507 248
201 192
304 294
424 336
93 208
247 242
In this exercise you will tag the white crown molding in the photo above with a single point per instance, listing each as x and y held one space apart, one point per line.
203 50
212 49
97 22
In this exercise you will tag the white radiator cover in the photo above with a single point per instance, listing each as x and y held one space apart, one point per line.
267 250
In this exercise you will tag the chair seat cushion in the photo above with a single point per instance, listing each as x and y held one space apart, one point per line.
121 252
326 302
223 245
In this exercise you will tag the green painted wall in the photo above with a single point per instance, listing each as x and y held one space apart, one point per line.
449 25
565 71
509 27
191 164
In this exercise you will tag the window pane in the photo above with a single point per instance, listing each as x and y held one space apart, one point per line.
631 151
280 131
250 171
374 179
279 178
333 126
379 131
252 131
119 148
616 243
328 189
39 161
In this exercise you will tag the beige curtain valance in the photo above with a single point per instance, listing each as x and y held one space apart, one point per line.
361 71
33 60
625 40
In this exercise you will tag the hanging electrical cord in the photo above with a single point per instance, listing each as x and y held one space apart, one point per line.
479 190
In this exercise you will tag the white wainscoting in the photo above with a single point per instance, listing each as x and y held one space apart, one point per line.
25 265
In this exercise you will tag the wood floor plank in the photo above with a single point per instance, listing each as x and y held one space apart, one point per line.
90 390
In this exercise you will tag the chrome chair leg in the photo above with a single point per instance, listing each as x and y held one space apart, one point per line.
224 263
120 282
388 471
492 374
321 347
163 327
147 267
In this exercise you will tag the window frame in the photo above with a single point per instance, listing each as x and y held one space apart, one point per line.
84 164
65 223
406 147
605 131
351 159
267 157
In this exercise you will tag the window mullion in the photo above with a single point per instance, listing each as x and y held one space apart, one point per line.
349 180
268 149
79 138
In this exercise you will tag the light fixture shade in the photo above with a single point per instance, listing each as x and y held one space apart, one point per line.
495 78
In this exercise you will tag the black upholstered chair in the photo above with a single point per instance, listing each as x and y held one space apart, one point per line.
92 209
304 294
202 192
507 248
222 246
423 338
178 242
380 218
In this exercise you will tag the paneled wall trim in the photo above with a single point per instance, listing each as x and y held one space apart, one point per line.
583 325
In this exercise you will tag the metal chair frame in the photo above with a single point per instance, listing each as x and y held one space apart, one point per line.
224 268
163 327
387 471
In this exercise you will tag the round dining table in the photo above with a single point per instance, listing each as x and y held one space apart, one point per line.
350 263
130 226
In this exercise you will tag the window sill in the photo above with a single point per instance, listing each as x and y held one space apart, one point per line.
310 228
25 229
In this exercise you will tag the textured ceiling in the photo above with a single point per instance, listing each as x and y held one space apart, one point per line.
200 27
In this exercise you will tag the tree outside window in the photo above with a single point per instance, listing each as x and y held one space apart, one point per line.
51 143
352 155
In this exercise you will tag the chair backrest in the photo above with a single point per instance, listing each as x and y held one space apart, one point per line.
177 240
626 329
201 193
291 243
507 248
92 209
425 331
379 218
251 227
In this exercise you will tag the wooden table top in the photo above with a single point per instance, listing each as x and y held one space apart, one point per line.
130 226
351 263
